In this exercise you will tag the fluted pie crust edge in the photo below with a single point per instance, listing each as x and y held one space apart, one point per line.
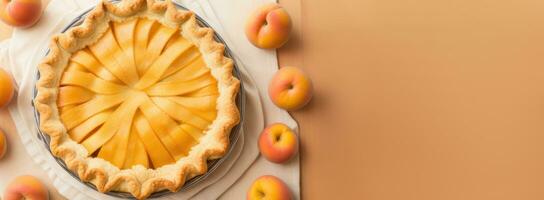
139 181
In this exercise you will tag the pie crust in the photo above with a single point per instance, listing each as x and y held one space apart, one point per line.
138 180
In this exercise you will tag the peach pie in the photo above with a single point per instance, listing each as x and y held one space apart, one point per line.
138 97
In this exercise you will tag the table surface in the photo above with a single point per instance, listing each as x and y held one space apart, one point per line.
418 99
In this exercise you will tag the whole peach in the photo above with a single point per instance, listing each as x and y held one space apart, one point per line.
269 26
26 187
20 13
268 187
6 88
278 143
3 144
290 88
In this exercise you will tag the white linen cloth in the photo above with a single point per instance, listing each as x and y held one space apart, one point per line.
26 48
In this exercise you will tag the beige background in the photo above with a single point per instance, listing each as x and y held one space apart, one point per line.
423 99
420 99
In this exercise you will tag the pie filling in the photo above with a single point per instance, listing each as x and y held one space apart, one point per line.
140 95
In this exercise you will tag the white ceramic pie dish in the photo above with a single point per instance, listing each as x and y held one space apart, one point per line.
212 164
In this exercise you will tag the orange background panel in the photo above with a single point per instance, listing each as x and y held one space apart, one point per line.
423 99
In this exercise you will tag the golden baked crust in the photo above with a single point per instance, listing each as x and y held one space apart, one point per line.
138 180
